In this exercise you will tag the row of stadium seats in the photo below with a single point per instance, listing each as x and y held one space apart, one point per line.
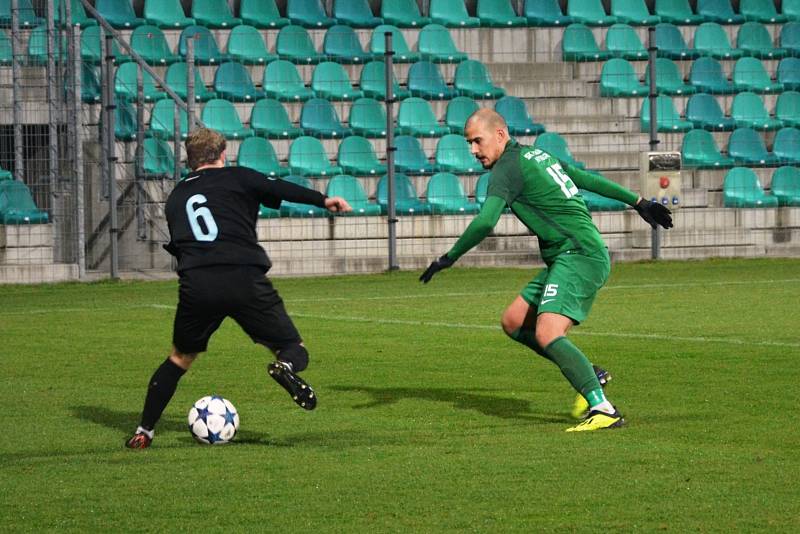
741 188
745 147
16 202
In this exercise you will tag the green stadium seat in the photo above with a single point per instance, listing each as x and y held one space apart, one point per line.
214 14
677 12
633 12
579 44
6 175
458 111
451 14
668 119
269 118
761 11
308 13
307 156
295 209
790 38
118 13
415 117
435 44
410 158
710 39
162 120
342 45
668 79
748 111
746 147
367 118
785 186
789 73
623 41
125 84
232 81
425 80
268 213
516 116
791 8
357 157
472 79
164 14
91 47
259 154
707 76
453 155
17 205
294 44
482 188
38 53
6 52
618 78
77 12
406 200
590 12
754 39
597 202
355 13
749 75
670 43
786 145
206 50
247 46
158 159
282 81
719 11
445 195
699 150
787 108
546 13
262 14
90 84
742 189
402 53
349 188
403 14
330 81
150 43
704 111
556 146
319 118
498 14
27 16
126 126
176 78
221 115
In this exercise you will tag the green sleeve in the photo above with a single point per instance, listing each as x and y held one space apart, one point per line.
600 185
479 228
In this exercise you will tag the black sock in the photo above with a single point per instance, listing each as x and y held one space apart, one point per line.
159 392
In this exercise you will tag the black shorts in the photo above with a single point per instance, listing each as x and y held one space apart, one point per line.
209 294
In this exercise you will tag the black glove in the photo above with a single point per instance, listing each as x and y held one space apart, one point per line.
442 263
654 213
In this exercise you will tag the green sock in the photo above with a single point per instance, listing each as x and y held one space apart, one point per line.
527 336
576 368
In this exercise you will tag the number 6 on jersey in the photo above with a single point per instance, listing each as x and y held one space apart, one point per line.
196 214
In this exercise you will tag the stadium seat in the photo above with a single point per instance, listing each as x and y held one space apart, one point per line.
710 39
259 154
214 14
699 150
790 38
126 125
38 53
618 78
791 9
789 73
17 205
410 158
633 12
482 188
458 111
206 51
269 118
453 155
373 82
247 46
307 156
406 200
295 209
597 202
579 44
308 13
91 47
704 112
367 118
668 79
158 159
357 157
707 76
232 82
262 14
341 44
355 13
498 14
556 146
742 189
786 145
445 195
451 14
746 147
590 12
785 186
472 79
283 82
6 53
719 11
435 44
677 12
90 84
546 13
294 44
332 82
415 117
5 175
78 14
319 118
516 116
268 213
118 13
176 78
761 11
425 80
754 39
670 43
668 119
402 53
787 108
623 41
221 115
163 13
349 188
27 16
748 111
125 84
150 43
162 120
749 75
403 14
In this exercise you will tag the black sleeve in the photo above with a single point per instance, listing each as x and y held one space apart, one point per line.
271 191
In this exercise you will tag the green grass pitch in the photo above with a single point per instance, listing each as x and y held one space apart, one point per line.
429 418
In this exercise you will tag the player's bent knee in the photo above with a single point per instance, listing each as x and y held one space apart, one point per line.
296 354
182 360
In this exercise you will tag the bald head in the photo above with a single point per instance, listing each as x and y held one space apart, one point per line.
487 134
487 118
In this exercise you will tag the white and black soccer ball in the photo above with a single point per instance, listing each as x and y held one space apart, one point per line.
213 420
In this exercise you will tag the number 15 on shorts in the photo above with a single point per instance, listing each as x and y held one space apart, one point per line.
550 292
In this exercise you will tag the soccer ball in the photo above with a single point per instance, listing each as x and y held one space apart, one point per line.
213 420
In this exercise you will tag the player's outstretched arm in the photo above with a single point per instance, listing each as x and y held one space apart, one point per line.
654 213
337 205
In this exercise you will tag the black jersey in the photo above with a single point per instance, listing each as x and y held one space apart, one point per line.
212 215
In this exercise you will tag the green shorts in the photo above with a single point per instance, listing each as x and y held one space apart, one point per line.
568 286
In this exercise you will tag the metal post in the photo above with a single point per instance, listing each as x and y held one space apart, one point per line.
54 51
190 82
141 230
16 75
390 150
655 234
111 156
176 139
105 84
80 206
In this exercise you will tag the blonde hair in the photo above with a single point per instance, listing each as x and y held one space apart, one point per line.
204 146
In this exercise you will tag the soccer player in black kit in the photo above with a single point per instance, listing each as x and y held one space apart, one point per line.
212 216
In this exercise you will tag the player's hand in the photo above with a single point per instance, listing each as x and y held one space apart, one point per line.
337 205
654 213
442 263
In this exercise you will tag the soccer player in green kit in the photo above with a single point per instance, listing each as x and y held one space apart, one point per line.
543 194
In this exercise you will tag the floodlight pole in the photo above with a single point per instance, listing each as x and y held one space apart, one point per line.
655 234
390 150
